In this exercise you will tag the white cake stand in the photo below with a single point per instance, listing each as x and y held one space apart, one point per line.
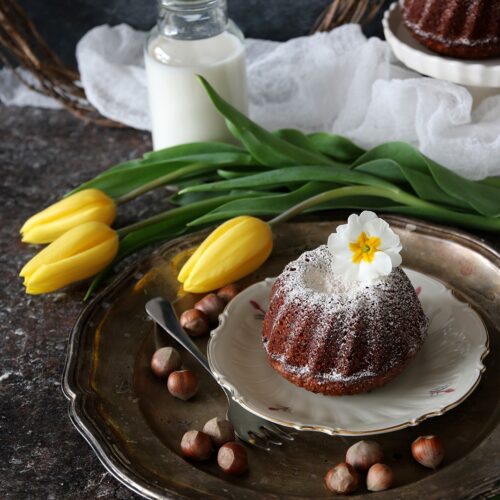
481 77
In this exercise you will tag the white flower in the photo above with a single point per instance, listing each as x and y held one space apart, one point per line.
364 249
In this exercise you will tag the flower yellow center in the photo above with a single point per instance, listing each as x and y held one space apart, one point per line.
364 249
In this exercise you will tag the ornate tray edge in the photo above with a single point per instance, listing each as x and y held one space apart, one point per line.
112 461
110 458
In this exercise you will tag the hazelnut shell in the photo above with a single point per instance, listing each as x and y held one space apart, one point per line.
342 478
164 361
363 454
212 305
182 384
428 451
220 430
380 477
229 292
232 458
195 322
196 445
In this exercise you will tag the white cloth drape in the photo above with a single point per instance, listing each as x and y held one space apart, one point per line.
339 82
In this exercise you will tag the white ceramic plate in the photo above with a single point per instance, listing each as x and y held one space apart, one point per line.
477 73
442 375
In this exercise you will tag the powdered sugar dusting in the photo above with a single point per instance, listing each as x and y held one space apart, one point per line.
318 326
331 376
446 40
454 23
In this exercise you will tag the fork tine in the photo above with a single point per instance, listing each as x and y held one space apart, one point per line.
280 432
256 435
257 445
258 440
272 437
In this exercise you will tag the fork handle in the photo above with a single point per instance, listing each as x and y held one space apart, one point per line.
162 312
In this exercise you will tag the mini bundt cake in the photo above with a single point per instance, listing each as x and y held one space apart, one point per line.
467 29
333 338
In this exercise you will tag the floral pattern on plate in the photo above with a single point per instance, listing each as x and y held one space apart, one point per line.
442 375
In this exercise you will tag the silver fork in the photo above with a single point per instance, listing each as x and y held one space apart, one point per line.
247 426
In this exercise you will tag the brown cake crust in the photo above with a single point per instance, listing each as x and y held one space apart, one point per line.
338 340
310 383
457 28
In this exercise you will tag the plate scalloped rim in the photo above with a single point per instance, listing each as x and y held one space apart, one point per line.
259 289
472 72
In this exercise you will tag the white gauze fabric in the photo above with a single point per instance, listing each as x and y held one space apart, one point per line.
340 82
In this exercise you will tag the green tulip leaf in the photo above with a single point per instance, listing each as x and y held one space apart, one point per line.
418 169
335 146
284 176
263 205
423 184
265 147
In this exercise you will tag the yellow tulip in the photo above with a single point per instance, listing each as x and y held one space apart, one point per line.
79 253
84 206
233 250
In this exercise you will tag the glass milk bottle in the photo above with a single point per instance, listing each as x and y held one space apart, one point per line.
193 37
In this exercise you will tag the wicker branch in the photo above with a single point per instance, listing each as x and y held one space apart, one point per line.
21 46
347 11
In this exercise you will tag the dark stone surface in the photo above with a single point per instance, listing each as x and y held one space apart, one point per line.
42 155
62 23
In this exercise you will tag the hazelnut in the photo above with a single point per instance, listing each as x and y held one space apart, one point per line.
343 478
165 361
232 458
228 292
196 445
379 478
428 451
182 384
221 431
195 322
363 454
212 305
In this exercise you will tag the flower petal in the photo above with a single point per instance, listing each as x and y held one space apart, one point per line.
213 236
394 255
366 216
388 238
236 253
353 229
84 206
51 230
55 275
365 248
376 227
71 243
341 262
380 266
79 253
338 243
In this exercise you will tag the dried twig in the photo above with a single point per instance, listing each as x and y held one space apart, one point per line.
347 11
21 46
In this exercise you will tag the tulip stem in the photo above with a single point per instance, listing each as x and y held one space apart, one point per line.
181 215
431 210
166 179
167 214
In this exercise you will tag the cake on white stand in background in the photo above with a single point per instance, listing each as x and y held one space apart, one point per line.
476 69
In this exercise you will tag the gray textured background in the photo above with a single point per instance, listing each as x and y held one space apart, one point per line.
63 22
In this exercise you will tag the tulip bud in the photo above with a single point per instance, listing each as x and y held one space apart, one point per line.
233 250
79 253
85 206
